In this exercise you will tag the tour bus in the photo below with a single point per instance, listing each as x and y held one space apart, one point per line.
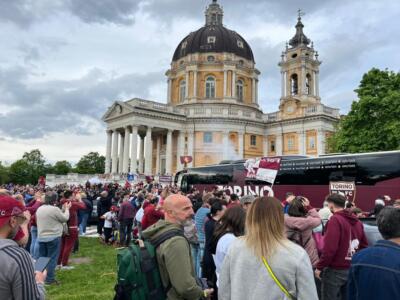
361 177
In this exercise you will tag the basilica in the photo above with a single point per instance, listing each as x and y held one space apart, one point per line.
212 111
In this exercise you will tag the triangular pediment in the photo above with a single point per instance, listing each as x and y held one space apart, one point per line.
117 109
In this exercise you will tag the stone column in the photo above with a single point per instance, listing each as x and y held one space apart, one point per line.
225 145
283 84
168 153
233 84
141 155
225 82
125 164
108 152
114 162
317 83
187 85
265 146
191 147
302 150
279 144
321 142
158 154
241 144
134 149
121 153
253 93
169 90
149 153
303 79
195 84
180 150
256 90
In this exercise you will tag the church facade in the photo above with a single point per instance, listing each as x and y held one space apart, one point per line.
212 112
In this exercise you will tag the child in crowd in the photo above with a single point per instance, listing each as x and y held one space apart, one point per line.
109 218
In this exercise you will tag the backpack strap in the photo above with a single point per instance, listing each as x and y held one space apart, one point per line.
166 236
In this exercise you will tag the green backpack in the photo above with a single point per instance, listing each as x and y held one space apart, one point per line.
137 269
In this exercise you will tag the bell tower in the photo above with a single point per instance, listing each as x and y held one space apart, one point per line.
300 74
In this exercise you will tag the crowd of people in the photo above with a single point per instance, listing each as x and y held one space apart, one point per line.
242 247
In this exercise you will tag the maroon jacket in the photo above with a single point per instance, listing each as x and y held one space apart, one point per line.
344 236
126 211
151 216
73 211
32 208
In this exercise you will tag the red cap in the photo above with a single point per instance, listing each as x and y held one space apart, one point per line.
9 207
114 208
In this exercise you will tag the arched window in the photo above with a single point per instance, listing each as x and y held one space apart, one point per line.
182 91
239 90
308 84
210 87
294 85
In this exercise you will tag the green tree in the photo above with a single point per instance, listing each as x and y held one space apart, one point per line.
20 172
4 174
373 123
29 168
62 167
92 163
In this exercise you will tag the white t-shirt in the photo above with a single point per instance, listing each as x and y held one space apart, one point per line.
222 249
139 215
108 218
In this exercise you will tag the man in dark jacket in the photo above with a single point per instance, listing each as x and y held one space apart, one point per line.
126 215
343 238
103 206
375 272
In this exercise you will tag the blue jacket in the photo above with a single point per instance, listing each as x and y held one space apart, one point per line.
375 273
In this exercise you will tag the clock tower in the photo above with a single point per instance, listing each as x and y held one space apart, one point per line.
300 75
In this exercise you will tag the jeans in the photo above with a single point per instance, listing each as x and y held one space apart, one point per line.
125 232
197 254
34 249
83 223
334 284
50 249
100 225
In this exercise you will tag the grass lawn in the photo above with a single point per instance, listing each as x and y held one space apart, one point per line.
92 280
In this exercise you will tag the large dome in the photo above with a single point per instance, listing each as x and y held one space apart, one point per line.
213 38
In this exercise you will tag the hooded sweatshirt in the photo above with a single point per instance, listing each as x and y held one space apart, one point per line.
343 238
175 263
17 275
305 226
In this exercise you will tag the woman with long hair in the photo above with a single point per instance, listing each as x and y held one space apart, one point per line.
264 264
229 228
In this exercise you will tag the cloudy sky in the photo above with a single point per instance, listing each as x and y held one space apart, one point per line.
63 62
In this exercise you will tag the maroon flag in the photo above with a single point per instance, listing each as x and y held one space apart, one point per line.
264 169
186 159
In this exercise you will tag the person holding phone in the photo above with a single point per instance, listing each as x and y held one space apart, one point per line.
18 279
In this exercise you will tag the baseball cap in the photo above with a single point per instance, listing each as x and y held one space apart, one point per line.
247 199
9 207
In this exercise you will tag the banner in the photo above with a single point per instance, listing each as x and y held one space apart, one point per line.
165 179
186 159
264 169
346 188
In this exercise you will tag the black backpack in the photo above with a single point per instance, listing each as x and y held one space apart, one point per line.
137 270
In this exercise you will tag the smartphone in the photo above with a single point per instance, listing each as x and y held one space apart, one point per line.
42 263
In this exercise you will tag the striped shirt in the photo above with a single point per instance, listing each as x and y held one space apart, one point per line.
17 275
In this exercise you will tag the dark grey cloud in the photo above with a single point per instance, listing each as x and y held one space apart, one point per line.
24 13
63 105
104 11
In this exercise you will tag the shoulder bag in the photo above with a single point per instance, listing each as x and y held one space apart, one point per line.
278 283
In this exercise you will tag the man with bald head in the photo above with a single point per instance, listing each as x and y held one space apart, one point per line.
174 255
